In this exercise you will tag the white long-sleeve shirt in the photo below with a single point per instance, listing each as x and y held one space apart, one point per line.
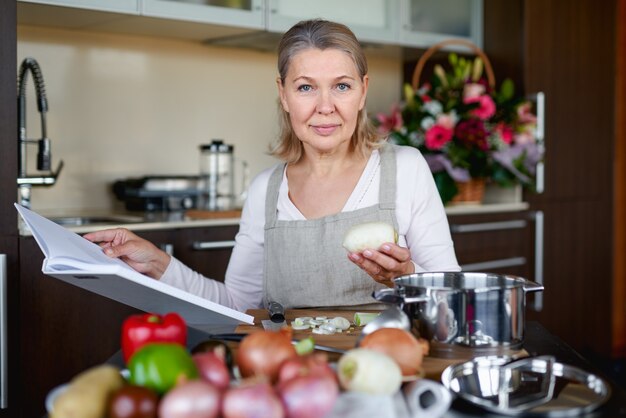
422 223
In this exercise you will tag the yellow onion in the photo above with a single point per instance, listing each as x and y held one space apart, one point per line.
398 344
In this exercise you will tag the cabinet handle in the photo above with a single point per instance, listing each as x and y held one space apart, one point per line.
167 248
487 226
538 301
540 103
3 333
212 245
494 264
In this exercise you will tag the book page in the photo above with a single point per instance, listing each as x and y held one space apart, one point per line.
58 243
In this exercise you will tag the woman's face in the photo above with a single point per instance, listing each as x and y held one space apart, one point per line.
323 94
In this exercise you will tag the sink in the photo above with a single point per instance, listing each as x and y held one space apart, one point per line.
96 220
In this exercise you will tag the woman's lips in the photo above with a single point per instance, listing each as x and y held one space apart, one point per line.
326 129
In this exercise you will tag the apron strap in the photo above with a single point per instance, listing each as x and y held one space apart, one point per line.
271 197
387 192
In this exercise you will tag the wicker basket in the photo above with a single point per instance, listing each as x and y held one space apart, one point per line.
491 79
470 192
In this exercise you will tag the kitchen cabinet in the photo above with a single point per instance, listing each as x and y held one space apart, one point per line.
258 24
66 329
119 6
370 20
9 254
248 14
427 22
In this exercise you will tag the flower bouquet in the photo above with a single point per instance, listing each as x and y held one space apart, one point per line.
466 128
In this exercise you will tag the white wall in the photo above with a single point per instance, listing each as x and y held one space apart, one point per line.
127 106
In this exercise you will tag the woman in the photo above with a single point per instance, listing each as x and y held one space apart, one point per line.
338 172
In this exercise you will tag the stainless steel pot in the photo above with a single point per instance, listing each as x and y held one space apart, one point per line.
466 309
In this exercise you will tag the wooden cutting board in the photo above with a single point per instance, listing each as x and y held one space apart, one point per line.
433 365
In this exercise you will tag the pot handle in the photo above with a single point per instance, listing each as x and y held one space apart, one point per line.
389 295
530 286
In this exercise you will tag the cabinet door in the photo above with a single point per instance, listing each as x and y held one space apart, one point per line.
238 13
206 250
426 22
500 243
119 6
370 20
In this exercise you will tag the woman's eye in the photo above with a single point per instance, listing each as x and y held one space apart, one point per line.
343 86
305 88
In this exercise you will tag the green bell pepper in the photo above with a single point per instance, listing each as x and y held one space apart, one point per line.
160 366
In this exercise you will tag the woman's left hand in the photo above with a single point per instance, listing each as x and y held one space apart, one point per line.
386 263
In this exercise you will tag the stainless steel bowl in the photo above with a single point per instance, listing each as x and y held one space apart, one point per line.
531 386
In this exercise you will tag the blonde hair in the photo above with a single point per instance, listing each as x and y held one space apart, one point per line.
321 34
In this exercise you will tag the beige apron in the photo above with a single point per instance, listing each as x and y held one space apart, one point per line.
305 263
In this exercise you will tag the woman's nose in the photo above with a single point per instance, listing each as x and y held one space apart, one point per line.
325 103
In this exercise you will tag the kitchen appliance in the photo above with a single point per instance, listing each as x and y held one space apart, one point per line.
476 310
158 193
217 177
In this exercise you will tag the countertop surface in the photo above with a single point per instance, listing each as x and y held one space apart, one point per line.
142 221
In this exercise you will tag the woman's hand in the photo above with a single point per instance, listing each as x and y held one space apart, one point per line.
137 252
384 265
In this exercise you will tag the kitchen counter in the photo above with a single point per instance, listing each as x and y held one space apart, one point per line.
143 221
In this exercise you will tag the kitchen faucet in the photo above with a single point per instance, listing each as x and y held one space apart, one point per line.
48 178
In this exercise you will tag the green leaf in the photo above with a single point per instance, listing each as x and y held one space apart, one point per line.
445 185
507 89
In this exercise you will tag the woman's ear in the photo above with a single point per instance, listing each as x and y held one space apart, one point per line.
281 94
365 83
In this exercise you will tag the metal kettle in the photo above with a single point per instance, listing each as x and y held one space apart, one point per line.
217 177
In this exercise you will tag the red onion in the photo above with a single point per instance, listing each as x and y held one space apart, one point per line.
315 364
252 400
192 399
262 352
212 369
311 396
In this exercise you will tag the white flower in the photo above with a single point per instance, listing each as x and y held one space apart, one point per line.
427 122
416 139
433 107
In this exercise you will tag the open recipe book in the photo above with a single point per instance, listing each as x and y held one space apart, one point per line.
75 260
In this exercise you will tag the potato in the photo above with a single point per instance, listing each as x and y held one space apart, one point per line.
369 235
88 393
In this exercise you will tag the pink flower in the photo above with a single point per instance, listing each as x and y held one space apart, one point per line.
525 136
486 107
390 123
472 90
525 114
437 136
505 132
446 120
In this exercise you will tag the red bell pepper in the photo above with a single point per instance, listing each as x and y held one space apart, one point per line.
139 330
